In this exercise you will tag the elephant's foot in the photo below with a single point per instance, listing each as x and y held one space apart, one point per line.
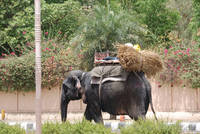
99 120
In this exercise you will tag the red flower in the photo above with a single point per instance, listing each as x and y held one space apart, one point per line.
52 57
188 50
12 53
178 67
170 47
24 32
46 33
59 32
3 54
48 49
166 51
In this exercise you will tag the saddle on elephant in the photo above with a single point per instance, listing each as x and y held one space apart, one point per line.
101 74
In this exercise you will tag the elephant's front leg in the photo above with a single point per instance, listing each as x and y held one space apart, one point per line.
92 113
87 114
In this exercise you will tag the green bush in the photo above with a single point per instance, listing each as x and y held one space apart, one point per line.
11 26
182 63
17 23
151 127
104 28
196 20
60 19
159 18
7 129
18 73
84 127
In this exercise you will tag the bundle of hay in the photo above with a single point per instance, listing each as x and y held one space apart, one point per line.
131 60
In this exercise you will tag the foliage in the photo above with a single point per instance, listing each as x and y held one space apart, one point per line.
182 63
104 29
18 73
62 19
151 127
17 27
154 13
84 127
7 129
11 26
183 28
196 19
196 6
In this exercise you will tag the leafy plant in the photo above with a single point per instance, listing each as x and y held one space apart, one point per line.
17 23
10 26
159 18
60 19
182 63
83 127
18 73
104 29
196 20
151 127
7 129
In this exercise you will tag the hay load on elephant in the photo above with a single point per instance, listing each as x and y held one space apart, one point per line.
132 60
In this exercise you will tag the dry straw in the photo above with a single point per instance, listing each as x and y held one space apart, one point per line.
131 60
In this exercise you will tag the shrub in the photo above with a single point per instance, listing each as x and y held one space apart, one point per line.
182 63
151 127
17 22
12 24
159 18
18 73
84 127
60 19
6 129
104 28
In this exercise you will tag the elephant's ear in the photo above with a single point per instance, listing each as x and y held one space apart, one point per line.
77 82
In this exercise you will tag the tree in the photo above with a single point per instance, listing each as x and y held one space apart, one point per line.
104 29
159 18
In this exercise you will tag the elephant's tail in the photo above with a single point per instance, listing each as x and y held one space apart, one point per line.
150 100
148 89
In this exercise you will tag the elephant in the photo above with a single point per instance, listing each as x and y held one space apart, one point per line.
130 97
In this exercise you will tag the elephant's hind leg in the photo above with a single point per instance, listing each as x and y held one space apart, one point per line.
137 112
136 116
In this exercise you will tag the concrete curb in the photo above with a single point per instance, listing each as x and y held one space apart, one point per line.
115 125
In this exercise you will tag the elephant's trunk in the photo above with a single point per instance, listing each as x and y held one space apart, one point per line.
64 105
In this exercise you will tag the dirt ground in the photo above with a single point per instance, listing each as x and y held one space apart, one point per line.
55 117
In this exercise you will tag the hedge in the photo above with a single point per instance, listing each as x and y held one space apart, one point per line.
7 129
18 73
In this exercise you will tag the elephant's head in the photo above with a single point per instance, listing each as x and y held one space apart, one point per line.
71 90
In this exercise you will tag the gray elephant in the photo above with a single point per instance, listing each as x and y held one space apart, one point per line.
129 95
